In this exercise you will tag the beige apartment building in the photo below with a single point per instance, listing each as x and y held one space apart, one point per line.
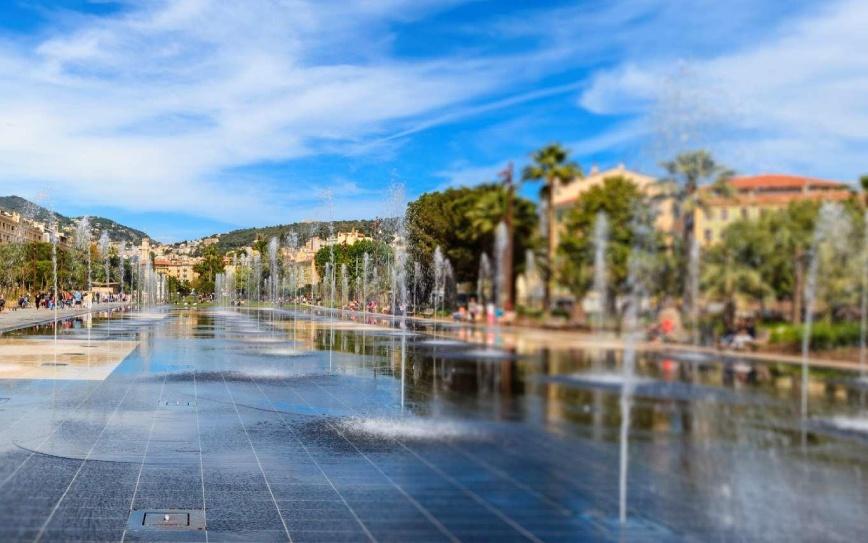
179 267
14 228
304 258
565 196
753 196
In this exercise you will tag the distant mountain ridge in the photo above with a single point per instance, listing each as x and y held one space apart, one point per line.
245 237
30 210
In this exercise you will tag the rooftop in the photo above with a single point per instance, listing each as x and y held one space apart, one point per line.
784 181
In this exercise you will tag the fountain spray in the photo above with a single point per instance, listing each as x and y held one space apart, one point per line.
601 276
864 303
831 234
501 253
640 272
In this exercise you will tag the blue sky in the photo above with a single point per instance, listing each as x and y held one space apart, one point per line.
188 117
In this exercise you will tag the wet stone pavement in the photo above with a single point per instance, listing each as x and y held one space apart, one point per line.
260 426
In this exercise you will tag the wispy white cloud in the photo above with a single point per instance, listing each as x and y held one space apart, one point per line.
147 109
158 107
797 101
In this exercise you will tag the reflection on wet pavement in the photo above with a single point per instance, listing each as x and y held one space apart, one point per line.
282 426
65 359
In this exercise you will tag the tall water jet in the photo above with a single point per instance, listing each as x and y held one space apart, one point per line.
448 285
365 263
54 235
417 275
104 252
639 276
533 280
601 275
501 253
831 236
484 285
345 286
438 292
257 278
398 206
122 253
273 247
82 240
863 324
691 296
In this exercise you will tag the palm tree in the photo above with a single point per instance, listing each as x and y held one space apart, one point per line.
552 167
687 174
726 279
488 210
863 180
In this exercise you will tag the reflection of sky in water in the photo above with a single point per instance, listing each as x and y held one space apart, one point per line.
716 444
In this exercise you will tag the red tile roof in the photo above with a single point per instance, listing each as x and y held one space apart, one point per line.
781 181
779 189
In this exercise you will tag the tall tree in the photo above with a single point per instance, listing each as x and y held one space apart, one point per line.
208 268
461 221
687 174
551 166
619 198
863 182
734 270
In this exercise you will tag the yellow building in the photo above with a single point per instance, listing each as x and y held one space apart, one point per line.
565 196
302 259
755 195
345 238
180 268
14 228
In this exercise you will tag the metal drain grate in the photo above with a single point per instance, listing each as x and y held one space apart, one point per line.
167 519
176 403
54 364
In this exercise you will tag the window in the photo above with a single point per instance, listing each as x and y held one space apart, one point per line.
744 213
724 214
709 214
709 235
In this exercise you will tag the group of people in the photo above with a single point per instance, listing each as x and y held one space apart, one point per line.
475 311
66 299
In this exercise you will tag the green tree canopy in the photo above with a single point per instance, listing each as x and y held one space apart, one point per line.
208 268
776 246
461 221
619 198
551 166
353 256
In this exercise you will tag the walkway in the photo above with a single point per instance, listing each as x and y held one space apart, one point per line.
22 318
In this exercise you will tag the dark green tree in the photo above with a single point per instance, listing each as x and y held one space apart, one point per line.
352 255
208 268
619 198
552 167
863 182
461 221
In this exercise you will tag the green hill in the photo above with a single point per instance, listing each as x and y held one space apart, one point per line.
247 236
30 210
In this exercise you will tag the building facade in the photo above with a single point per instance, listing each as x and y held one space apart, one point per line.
16 229
181 268
753 196
565 196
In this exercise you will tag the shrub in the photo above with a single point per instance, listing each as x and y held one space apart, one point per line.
824 335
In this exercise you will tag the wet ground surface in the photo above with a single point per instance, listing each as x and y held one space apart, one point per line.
276 426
